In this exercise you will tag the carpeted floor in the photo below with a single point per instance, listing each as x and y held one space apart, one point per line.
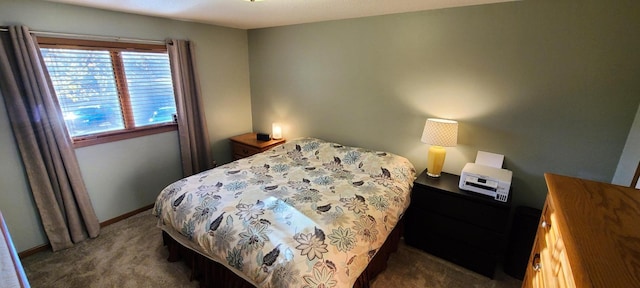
130 254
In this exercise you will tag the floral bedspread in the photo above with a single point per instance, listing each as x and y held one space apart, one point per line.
303 214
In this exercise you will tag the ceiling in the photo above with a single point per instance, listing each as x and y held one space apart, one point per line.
244 14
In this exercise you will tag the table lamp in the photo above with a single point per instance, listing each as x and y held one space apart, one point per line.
276 131
439 133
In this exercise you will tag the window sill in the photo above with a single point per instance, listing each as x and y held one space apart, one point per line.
89 140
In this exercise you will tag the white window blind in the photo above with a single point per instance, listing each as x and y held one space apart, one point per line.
107 90
150 87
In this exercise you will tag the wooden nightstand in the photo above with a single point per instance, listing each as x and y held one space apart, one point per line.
466 228
246 145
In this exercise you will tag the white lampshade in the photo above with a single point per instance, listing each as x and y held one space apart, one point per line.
440 132
276 131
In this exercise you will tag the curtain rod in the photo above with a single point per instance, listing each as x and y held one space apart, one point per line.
91 37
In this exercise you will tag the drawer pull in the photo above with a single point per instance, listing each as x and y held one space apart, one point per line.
545 224
536 263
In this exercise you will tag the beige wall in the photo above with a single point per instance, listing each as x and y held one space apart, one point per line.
551 84
126 175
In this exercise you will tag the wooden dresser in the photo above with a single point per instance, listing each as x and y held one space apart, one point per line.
588 236
247 144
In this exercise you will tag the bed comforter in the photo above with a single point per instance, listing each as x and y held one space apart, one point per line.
303 214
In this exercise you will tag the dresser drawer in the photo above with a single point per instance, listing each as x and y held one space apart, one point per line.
534 277
549 265
554 261
547 227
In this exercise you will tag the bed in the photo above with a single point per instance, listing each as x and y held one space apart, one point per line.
308 213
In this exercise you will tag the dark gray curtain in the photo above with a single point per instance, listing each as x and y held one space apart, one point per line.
192 125
45 147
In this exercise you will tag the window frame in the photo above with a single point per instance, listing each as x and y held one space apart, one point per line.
114 49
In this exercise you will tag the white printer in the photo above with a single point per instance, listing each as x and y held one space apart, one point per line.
487 180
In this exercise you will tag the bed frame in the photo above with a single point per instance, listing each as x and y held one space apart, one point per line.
213 274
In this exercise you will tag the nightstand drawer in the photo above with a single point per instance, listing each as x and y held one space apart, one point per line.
456 251
485 215
475 237
244 150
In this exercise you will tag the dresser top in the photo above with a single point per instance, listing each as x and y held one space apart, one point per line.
603 225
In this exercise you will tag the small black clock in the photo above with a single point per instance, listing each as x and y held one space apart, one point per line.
263 136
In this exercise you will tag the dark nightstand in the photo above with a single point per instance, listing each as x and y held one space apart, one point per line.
247 144
466 228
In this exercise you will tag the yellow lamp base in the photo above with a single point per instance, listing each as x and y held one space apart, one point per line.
435 160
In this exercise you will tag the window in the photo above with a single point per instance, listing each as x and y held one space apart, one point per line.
110 91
